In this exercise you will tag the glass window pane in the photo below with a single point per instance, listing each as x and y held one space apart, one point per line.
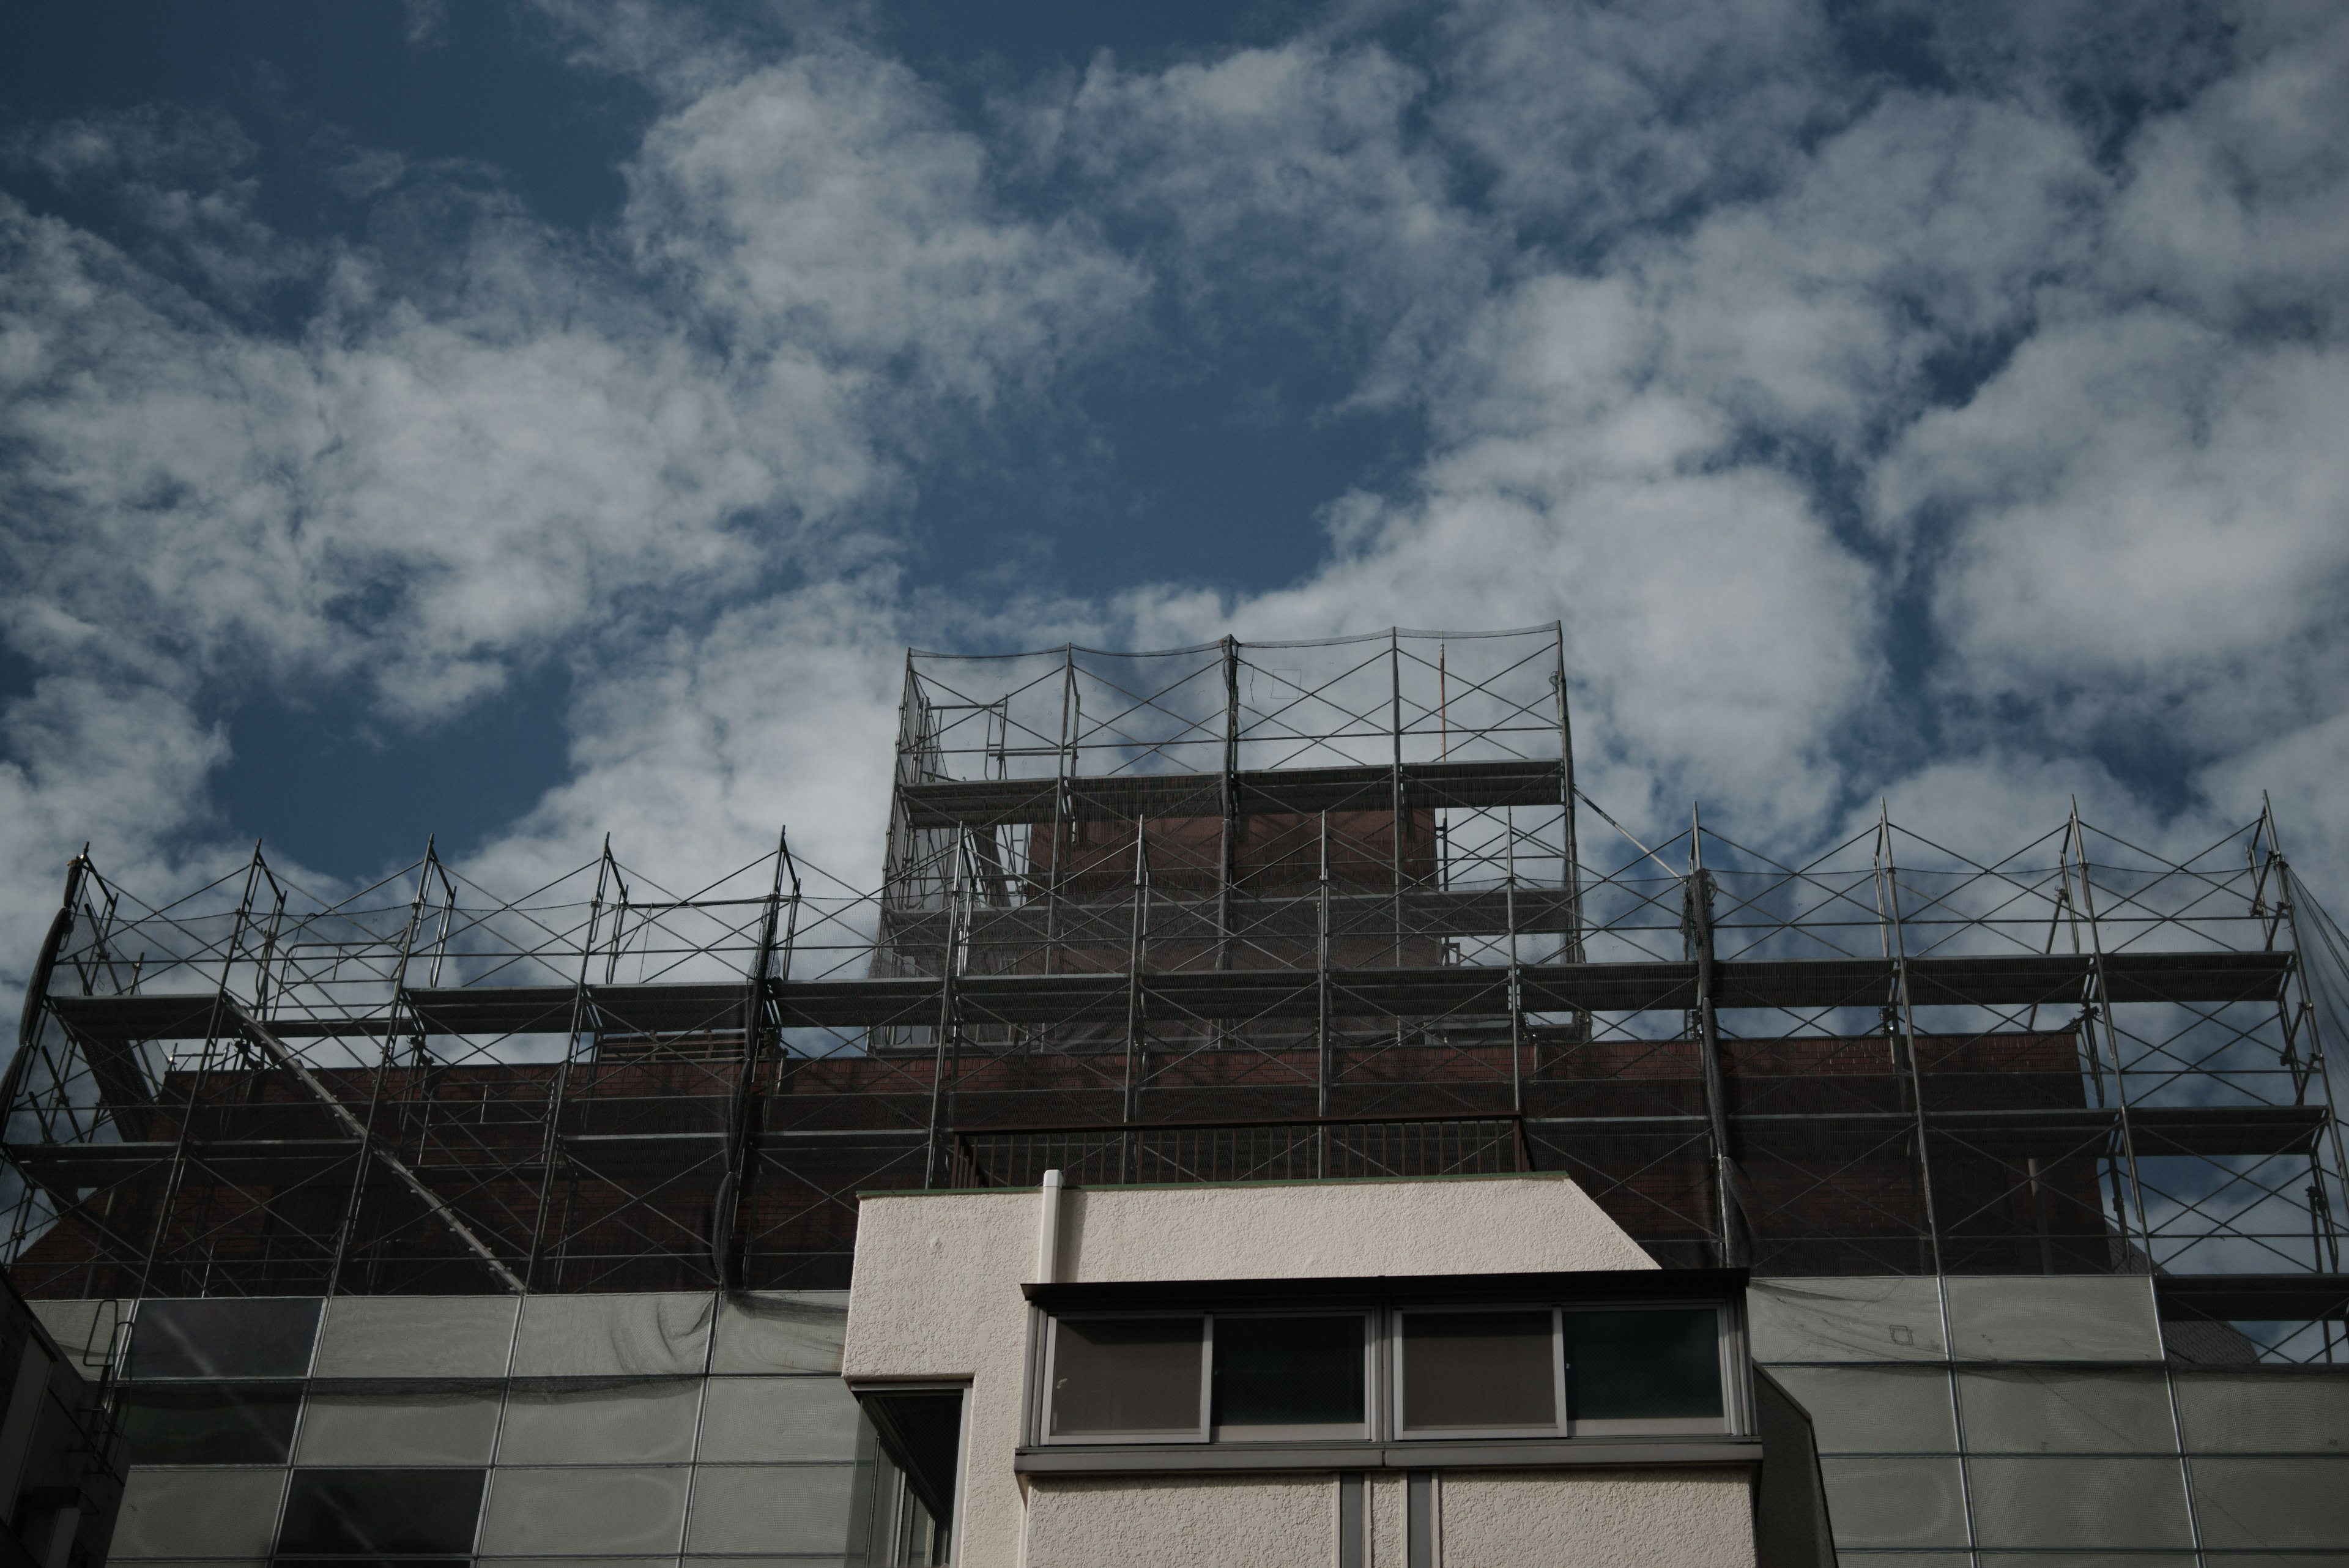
588 1510
381 1511
780 1331
1895 1503
791 1508
399 1428
2272 1501
417 1336
261 1336
2270 1414
776 1419
216 1424
1290 1371
1631 1365
2087 1560
614 1336
187 1513
641 1422
1477 1370
1888 1319
1875 1409
2079 1502
2041 1319
1126 1375
2066 1412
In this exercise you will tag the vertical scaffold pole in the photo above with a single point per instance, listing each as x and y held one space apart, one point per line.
2100 1008
1896 947
1735 1252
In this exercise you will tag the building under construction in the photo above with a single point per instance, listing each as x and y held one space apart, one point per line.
1238 913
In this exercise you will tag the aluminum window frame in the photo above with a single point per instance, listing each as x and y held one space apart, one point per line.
1384 1302
1048 1363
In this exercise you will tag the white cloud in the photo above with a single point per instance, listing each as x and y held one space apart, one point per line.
1730 353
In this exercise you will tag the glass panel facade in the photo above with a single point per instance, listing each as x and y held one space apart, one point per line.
269 1336
1871 1319
594 1510
780 1331
1895 1503
406 1428
209 1423
2270 1502
2037 1410
2265 1413
381 1511
2078 1460
1126 1375
643 1422
417 1336
770 1508
1290 1372
1872 1409
775 1420
2086 1318
1478 1370
614 1336
192 1513
2079 1502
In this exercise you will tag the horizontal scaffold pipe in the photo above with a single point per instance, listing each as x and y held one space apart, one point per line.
109 1023
1122 797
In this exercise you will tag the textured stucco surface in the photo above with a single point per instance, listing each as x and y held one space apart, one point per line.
1519 1225
936 1291
1168 1521
1597 1518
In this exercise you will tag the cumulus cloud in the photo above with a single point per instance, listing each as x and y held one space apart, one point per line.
1889 403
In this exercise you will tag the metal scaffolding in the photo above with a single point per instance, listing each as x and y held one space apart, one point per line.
1230 912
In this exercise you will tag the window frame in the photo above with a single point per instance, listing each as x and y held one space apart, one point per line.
1724 1345
1561 1426
1382 1301
1050 1361
1361 1431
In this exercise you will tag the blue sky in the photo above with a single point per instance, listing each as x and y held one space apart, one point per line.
523 421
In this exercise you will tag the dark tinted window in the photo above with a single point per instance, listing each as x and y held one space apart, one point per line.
212 1424
264 1336
1126 1375
1288 1371
381 1512
1478 1369
1626 1366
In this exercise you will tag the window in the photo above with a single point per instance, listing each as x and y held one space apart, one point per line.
1247 1377
265 1337
1644 1367
1346 1373
1471 1373
404 1513
209 1423
1290 1376
1128 1378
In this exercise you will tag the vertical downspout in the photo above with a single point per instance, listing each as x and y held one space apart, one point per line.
1047 1230
1321 1014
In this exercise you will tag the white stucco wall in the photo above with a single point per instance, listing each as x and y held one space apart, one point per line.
1596 1519
936 1294
1183 1521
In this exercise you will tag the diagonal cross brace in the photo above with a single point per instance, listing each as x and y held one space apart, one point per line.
260 1034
